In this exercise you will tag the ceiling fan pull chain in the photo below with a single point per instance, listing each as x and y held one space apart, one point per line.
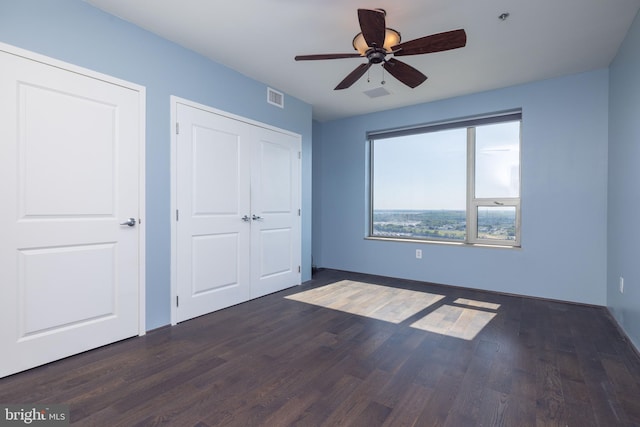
382 82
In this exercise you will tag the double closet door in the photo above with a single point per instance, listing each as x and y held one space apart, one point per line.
237 219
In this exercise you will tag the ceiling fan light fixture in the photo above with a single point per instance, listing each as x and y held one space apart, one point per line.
391 38
382 42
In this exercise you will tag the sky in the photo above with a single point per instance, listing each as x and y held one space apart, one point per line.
428 171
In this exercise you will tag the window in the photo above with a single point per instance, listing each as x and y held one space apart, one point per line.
455 181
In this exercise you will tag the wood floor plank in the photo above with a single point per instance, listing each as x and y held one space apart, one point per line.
549 397
349 349
408 406
472 389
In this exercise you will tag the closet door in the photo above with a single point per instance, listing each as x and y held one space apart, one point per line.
213 212
275 202
237 225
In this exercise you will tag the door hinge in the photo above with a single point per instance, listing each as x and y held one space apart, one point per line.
298 212
299 154
177 128
299 269
177 301
177 215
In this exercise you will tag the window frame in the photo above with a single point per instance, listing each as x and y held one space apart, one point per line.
473 203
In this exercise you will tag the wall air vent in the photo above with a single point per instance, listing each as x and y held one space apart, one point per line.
275 98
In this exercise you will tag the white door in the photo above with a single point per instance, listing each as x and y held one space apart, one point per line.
275 202
213 190
69 164
238 220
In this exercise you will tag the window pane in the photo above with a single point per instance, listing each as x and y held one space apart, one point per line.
498 160
497 223
419 186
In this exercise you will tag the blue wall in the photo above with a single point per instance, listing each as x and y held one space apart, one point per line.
564 195
75 32
624 185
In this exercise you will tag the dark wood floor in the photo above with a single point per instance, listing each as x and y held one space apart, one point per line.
279 362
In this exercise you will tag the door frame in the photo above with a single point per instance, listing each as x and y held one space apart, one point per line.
32 56
175 100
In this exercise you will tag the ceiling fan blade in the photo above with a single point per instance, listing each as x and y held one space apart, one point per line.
433 43
372 25
405 73
327 56
353 76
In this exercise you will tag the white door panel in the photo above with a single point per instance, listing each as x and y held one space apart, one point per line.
216 172
82 273
276 176
70 172
49 183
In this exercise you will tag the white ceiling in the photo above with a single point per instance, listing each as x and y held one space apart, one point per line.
259 38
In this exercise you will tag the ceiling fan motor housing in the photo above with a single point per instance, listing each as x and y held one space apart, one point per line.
376 55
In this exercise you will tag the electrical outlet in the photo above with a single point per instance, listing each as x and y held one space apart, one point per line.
621 285
419 253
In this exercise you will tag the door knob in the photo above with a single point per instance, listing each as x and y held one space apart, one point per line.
256 218
130 223
246 218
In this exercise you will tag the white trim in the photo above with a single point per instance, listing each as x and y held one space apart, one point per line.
174 101
142 210
177 100
32 56
173 189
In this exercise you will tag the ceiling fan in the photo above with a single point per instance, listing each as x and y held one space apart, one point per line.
376 41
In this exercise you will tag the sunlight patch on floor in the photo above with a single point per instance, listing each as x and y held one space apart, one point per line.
479 304
364 299
463 318
456 321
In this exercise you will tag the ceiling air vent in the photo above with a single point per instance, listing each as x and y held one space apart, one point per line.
275 98
374 93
